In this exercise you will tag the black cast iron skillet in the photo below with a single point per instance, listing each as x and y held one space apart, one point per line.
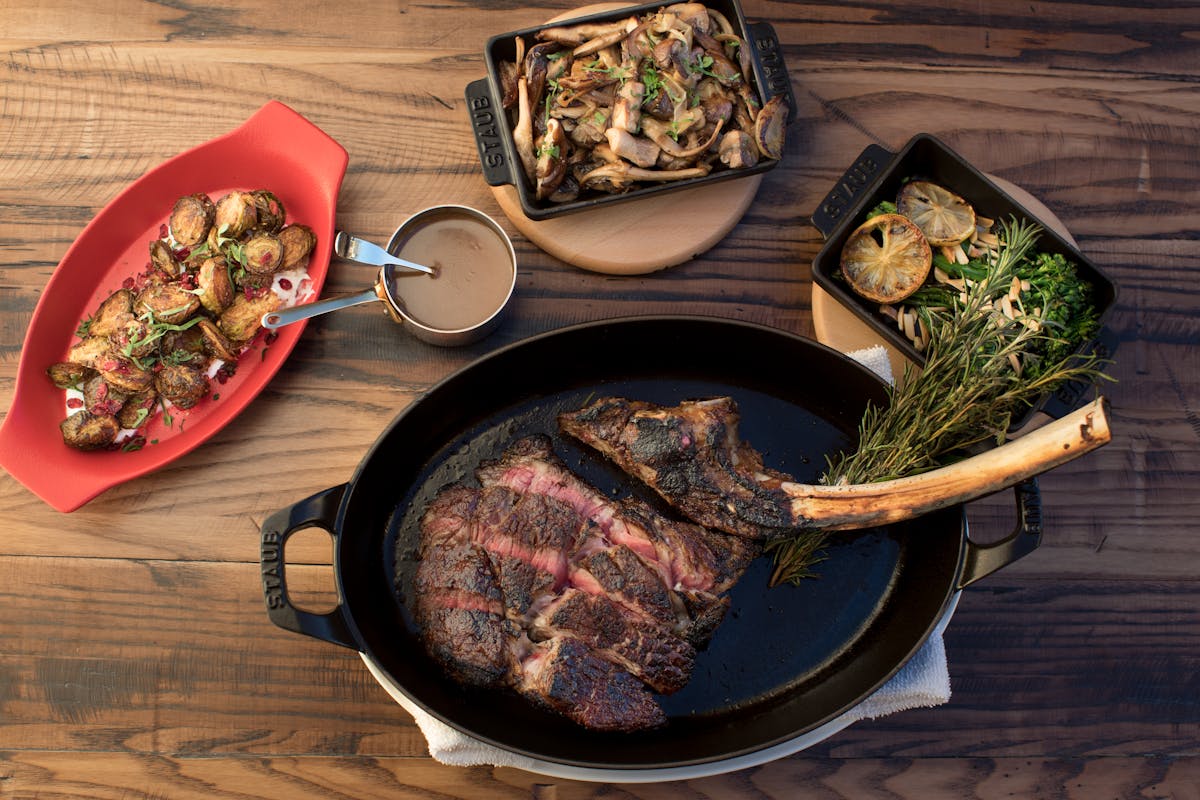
784 661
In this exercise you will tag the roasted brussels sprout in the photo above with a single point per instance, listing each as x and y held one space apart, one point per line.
89 351
163 259
67 375
298 242
216 289
242 320
263 254
85 431
181 384
101 399
137 409
236 214
169 303
191 219
271 214
112 314
124 373
135 339
182 347
215 342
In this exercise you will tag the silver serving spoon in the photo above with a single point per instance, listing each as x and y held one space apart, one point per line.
351 248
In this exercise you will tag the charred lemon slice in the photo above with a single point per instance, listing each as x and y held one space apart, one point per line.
886 258
944 217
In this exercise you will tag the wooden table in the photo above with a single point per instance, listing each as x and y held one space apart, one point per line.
136 659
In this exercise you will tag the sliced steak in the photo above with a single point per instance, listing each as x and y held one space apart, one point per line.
659 658
691 455
460 609
565 675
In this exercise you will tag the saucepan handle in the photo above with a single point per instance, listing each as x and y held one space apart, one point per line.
853 184
984 559
318 511
489 124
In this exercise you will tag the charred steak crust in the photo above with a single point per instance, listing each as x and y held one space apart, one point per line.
537 581
690 454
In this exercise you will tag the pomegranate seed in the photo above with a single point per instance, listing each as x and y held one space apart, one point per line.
162 231
74 402
127 283
285 284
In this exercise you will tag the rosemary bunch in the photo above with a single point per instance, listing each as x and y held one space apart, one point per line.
982 367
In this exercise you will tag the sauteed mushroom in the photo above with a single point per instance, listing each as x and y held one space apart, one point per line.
603 107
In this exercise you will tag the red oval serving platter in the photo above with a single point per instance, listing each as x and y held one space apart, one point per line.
276 149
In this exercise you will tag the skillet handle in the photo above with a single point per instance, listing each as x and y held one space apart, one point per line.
982 560
320 510
853 185
489 124
774 75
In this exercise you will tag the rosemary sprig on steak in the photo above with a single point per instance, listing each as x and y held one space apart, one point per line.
983 367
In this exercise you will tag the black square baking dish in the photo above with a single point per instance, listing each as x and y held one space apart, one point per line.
493 124
877 175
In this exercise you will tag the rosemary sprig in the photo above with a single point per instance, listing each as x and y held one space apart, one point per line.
971 386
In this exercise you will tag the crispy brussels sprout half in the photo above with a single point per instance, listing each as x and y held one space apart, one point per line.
164 260
191 219
215 342
263 254
271 214
112 314
169 303
298 242
236 214
242 320
137 409
216 289
68 375
85 431
182 347
135 339
124 373
90 351
101 399
182 385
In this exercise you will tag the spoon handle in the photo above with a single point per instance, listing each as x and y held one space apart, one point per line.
286 316
352 248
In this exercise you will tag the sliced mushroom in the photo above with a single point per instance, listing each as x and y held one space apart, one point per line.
84 431
738 150
611 37
641 151
215 288
298 241
623 172
191 219
583 32
551 165
660 134
770 127
537 65
627 111
523 131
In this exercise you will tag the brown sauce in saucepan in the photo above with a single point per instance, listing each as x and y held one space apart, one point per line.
474 271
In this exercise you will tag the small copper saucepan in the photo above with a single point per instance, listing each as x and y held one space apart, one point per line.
446 274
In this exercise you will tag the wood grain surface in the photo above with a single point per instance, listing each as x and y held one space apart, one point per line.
136 658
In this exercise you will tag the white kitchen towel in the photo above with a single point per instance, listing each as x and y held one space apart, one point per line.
924 681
